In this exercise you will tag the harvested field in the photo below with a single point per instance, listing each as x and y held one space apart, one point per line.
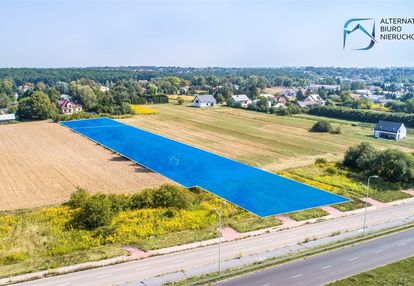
41 163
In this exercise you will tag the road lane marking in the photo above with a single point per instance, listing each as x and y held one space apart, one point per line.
296 276
142 268
267 284
326 267
104 276
379 251
64 284
355 258
238 247
178 260
402 244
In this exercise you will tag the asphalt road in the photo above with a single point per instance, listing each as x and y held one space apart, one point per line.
189 259
335 265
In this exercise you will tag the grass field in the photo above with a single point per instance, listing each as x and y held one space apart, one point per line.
41 163
263 140
333 178
399 273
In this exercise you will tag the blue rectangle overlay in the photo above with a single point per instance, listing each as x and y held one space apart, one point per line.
260 192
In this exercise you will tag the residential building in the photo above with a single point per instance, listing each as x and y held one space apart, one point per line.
312 99
390 130
279 99
69 107
331 87
242 99
205 100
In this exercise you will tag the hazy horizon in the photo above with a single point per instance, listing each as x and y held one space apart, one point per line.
184 33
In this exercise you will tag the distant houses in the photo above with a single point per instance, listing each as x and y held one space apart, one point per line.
390 130
206 100
241 99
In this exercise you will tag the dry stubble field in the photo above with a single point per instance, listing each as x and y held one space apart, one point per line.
41 163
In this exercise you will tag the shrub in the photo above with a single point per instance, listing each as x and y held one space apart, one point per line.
321 161
180 101
166 196
394 166
78 198
95 212
321 126
337 130
360 157
170 196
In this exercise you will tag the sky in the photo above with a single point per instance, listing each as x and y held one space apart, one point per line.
196 33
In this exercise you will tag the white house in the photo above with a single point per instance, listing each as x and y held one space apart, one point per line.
204 101
242 99
312 99
324 86
269 103
7 118
390 130
68 107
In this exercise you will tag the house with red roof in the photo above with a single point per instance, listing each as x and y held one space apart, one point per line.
67 106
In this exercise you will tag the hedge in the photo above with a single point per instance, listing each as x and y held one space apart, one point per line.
157 99
362 115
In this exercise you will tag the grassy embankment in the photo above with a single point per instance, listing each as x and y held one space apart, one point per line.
336 179
394 274
46 238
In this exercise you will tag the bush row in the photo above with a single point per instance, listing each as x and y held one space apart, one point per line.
362 115
98 210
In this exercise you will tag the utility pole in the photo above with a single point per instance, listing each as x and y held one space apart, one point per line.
219 254
366 203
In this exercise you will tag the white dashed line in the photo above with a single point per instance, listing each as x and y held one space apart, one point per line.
104 276
296 276
178 260
267 284
378 251
353 259
402 244
63 284
326 267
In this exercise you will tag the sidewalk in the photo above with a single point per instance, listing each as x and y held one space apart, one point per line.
229 234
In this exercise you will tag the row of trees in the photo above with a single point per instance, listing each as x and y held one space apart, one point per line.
361 115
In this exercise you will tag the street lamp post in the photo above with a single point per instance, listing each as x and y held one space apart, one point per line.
219 257
366 203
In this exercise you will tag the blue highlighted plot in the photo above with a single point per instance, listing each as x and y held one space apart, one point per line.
255 190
